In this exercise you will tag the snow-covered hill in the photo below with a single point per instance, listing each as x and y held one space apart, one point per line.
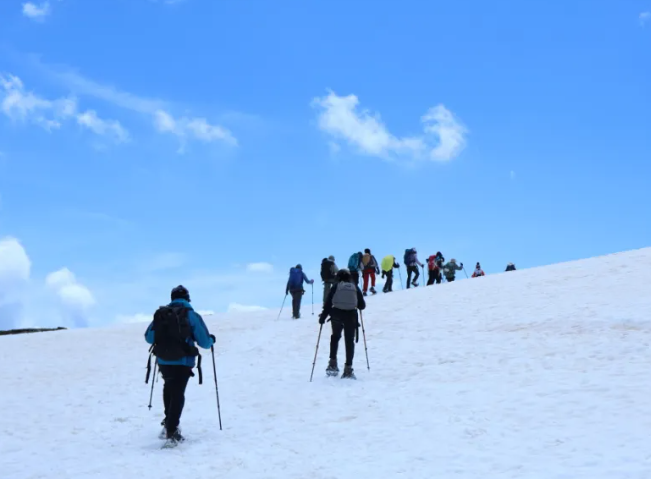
542 373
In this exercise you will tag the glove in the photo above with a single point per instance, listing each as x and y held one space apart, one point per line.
322 318
382 274
311 281
214 339
286 292
462 265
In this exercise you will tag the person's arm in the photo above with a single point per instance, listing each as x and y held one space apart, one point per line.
149 334
327 306
200 330
308 281
361 303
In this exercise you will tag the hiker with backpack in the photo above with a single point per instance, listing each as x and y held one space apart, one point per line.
328 275
412 264
450 270
172 334
388 264
342 304
478 271
355 265
434 264
371 268
295 286
510 267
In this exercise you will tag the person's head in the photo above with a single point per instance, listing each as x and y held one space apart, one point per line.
331 258
453 261
367 251
344 275
298 266
478 266
180 292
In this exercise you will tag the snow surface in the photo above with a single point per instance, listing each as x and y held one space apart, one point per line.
540 373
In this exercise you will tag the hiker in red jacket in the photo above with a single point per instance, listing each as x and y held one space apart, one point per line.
371 268
478 271
434 264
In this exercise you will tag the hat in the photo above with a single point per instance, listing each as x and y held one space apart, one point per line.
331 258
180 292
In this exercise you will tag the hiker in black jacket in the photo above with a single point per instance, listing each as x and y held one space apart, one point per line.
342 304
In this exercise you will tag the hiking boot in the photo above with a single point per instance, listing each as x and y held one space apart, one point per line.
332 369
173 440
348 373
163 433
373 291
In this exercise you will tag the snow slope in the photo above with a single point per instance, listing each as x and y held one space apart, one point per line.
542 373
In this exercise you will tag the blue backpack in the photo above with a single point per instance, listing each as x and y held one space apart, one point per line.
353 262
295 278
409 256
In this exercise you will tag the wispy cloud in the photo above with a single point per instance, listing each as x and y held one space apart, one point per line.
184 128
443 140
21 105
193 128
36 12
260 267
644 18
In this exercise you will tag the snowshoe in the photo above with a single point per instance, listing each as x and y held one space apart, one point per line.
332 369
173 440
373 291
348 373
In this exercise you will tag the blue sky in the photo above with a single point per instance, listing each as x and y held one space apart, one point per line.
215 144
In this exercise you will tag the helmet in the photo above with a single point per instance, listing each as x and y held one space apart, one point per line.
180 292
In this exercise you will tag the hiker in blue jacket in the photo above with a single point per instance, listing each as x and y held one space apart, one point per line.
295 286
176 373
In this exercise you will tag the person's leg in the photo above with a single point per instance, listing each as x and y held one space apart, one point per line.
337 328
296 303
389 284
430 277
350 327
372 274
410 270
416 273
366 275
176 380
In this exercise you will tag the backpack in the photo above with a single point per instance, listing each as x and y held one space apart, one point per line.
353 262
431 263
345 297
326 270
171 333
409 254
295 278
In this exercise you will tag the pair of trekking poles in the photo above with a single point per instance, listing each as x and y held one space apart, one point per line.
318 340
214 370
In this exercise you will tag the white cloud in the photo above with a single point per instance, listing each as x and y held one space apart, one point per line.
134 318
260 267
15 268
90 120
76 299
644 18
193 128
36 12
24 106
241 308
206 312
443 138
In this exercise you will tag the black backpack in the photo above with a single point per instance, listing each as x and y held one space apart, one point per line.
171 332
326 270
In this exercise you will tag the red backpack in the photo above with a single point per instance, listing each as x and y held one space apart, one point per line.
431 263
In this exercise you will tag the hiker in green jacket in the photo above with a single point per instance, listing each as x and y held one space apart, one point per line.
450 269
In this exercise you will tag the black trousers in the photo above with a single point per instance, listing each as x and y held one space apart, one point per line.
412 269
355 277
348 325
297 297
434 276
176 380
388 286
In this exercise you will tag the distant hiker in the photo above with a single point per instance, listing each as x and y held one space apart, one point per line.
355 265
450 270
412 264
478 271
388 263
295 286
510 267
434 265
342 304
173 333
371 268
328 275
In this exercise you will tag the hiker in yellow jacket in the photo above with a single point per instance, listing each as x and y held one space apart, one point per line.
388 263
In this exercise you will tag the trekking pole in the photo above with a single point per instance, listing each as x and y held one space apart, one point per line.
153 380
281 308
214 370
361 316
318 340
464 270
312 299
